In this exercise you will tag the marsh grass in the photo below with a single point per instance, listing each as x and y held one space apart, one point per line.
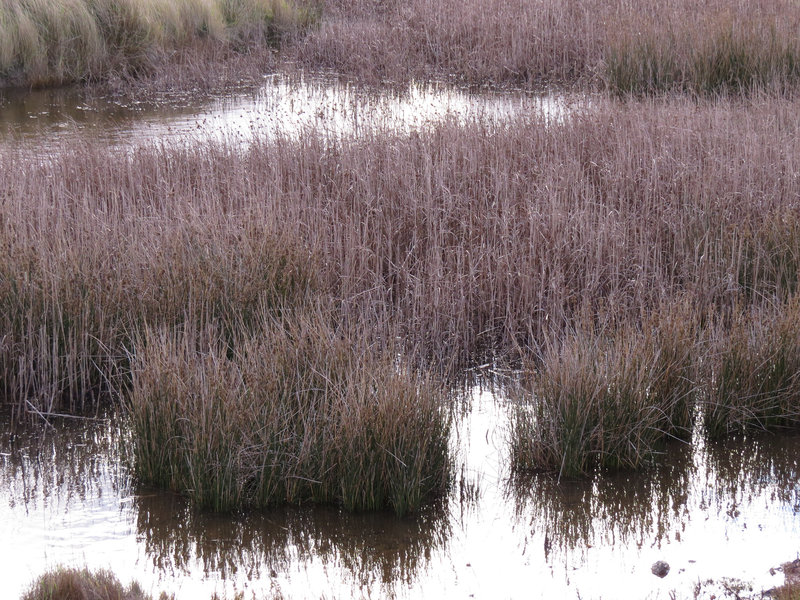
50 43
72 305
607 399
474 240
296 411
83 584
754 372
719 47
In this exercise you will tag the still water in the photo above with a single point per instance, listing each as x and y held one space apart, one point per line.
712 512
67 498
285 106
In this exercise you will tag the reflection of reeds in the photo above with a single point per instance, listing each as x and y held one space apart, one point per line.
656 503
608 508
49 42
284 538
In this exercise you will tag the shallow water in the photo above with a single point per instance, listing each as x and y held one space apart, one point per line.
283 106
730 510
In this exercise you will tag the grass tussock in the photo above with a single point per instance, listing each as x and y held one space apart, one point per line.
608 399
50 43
83 584
754 378
291 414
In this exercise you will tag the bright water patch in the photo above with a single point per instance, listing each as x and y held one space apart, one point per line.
282 106
729 510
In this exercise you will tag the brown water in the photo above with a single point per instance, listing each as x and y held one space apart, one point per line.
730 510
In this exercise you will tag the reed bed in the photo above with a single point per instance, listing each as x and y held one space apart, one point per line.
474 242
720 46
54 42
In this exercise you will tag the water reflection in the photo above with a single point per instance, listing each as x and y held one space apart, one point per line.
610 509
283 106
729 509
377 550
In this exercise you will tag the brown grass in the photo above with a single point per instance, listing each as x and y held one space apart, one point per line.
469 240
83 584
718 46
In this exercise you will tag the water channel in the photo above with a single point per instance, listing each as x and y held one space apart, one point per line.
720 515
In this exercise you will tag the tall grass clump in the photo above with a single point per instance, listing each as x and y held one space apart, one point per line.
725 50
82 584
753 378
46 42
606 399
297 411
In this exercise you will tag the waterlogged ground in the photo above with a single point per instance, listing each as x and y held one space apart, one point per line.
727 511
66 498
285 106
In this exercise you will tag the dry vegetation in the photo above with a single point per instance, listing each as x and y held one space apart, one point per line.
82 584
719 46
641 258
54 42
723 46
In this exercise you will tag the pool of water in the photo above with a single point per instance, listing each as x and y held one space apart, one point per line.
711 511
282 106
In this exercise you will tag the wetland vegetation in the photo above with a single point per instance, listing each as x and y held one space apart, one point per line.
284 321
